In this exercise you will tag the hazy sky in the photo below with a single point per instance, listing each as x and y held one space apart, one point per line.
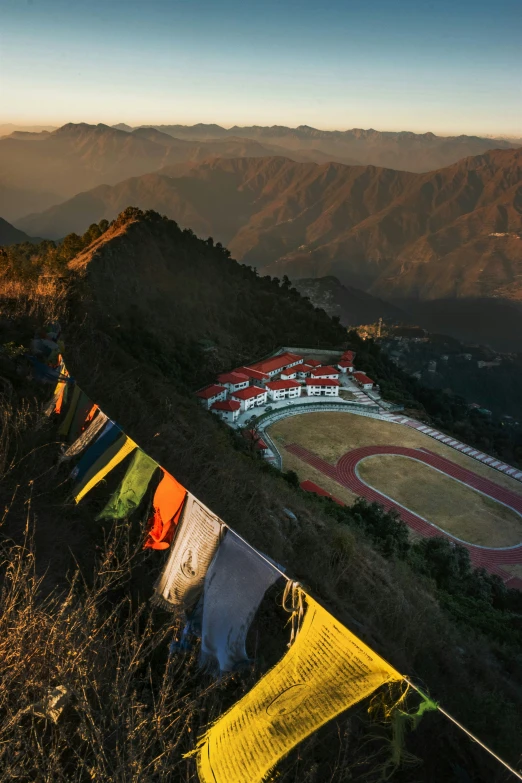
449 66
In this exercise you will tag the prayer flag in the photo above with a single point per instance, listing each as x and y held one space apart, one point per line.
87 436
66 423
235 585
168 502
104 464
109 434
181 582
83 409
326 670
134 484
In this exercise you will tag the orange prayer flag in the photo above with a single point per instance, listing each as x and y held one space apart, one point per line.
89 417
168 502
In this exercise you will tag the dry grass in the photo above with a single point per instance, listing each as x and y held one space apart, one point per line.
124 719
330 435
450 505
44 298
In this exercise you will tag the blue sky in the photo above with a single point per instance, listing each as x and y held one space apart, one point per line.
447 67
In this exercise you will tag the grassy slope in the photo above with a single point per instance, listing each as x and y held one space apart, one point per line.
136 364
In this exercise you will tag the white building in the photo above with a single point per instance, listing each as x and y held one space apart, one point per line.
256 377
322 386
250 397
276 364
302 370
326 373
227 409
234 380
289 375
363 381
278 390
345 366
211 394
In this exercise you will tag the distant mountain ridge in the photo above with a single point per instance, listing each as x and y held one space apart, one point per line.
404 150
38 170
450 233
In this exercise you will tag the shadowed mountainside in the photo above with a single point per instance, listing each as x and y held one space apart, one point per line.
9 235
449 233
351 305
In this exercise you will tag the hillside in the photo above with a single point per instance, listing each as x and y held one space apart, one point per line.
153 312
351 305
450 233
9 235
416 152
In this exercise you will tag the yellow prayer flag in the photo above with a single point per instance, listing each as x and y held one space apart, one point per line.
327 670
107 462
66 424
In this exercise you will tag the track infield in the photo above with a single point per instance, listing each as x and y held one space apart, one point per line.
436 490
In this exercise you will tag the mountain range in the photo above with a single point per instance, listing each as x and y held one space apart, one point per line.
39 169
455 232
415 152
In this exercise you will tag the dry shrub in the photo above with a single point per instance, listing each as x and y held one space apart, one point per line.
130 712
44 298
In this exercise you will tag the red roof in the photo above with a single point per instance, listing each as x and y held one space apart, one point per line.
301 368
345 363
349 356
313 363
321 382
256 375
309 486
226 405
232 377
252 435
248 393
290 371
275 385
328 370
277 362
362 378
210 391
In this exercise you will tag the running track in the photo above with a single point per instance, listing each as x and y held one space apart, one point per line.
345 473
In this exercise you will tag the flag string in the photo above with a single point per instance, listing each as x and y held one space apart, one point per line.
446 714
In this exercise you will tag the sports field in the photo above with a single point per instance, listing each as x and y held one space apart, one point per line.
330 435
442 500
430 493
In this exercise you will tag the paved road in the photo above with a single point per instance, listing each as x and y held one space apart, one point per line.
345 473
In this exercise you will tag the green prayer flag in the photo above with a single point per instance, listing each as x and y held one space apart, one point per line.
133 486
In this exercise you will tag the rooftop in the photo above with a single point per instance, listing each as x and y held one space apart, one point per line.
275 385
226 405
321 382
328 370
256 375
276 362
232 377
362 378
248 393
210 391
